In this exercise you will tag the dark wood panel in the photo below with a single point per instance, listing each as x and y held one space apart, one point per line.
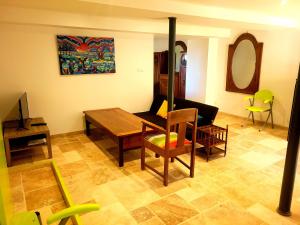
160 76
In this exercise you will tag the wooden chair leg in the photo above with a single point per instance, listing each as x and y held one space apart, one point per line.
157 155
272 119
166 170
172 159
143 158
252 117
207 153
192 166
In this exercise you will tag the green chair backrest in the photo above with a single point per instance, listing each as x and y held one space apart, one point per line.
263 95
5 201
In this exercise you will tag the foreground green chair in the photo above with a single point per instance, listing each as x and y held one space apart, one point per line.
72 212
267 98
7 217
33 218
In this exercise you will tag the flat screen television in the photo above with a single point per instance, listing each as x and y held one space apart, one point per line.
24 119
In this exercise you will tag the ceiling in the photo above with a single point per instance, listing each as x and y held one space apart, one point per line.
258 14
274 7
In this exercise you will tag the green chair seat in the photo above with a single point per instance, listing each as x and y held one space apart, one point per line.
257 109
264 96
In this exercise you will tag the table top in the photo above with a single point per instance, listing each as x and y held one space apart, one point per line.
11 130
117 121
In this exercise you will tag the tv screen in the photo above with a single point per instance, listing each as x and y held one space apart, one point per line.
23 111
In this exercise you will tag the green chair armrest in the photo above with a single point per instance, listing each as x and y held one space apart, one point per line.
25 218
249 97
71 211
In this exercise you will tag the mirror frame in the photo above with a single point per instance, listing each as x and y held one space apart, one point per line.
254 83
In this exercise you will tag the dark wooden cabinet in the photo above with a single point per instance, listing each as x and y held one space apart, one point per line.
161 76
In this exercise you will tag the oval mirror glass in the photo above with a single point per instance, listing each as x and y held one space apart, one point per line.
243 64
178 54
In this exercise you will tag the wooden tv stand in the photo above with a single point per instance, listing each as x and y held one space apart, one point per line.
15 139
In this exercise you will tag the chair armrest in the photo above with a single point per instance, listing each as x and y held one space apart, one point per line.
190 125
267 101
153 126
71 211
249 97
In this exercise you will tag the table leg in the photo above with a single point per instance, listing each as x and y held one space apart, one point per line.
48 139
7 152
121 152
87 127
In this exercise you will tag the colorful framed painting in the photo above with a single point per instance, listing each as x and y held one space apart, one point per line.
86 55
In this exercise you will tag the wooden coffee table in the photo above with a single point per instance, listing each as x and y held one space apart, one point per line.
123 127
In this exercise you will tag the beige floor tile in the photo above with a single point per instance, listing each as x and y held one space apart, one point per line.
274 143
153 221
268 216
226 213
208 201
260 159
142 214
72 156
132 195
15 179
43 197
114 214
38 178
72 146
18 199
189 194
172 209
104 195
73 168
156 184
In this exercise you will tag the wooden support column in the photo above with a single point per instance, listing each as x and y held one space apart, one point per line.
171 62
290 166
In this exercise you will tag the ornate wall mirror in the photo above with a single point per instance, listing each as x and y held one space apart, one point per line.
180 52
243 65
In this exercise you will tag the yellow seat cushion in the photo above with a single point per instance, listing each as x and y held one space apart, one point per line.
163 110
160 140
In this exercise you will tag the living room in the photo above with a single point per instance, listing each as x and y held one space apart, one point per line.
29 62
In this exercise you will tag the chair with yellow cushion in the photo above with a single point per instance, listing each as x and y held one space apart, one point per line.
266 98
170 142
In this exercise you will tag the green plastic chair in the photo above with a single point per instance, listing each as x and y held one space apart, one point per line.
266 97
61 217
33 218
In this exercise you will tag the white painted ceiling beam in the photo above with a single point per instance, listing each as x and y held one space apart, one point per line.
203 11
73 20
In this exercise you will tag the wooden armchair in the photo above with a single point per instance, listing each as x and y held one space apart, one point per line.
171 144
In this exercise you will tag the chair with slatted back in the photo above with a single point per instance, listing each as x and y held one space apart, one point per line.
171 142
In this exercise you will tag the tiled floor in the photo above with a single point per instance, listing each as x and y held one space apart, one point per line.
242 188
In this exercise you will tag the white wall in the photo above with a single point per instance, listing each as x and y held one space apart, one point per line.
161 44
212 92
196 69
280 61
29 62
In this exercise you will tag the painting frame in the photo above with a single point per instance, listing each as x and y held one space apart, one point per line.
79 55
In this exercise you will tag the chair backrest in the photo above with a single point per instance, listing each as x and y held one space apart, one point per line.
264 95
177 121
5 201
